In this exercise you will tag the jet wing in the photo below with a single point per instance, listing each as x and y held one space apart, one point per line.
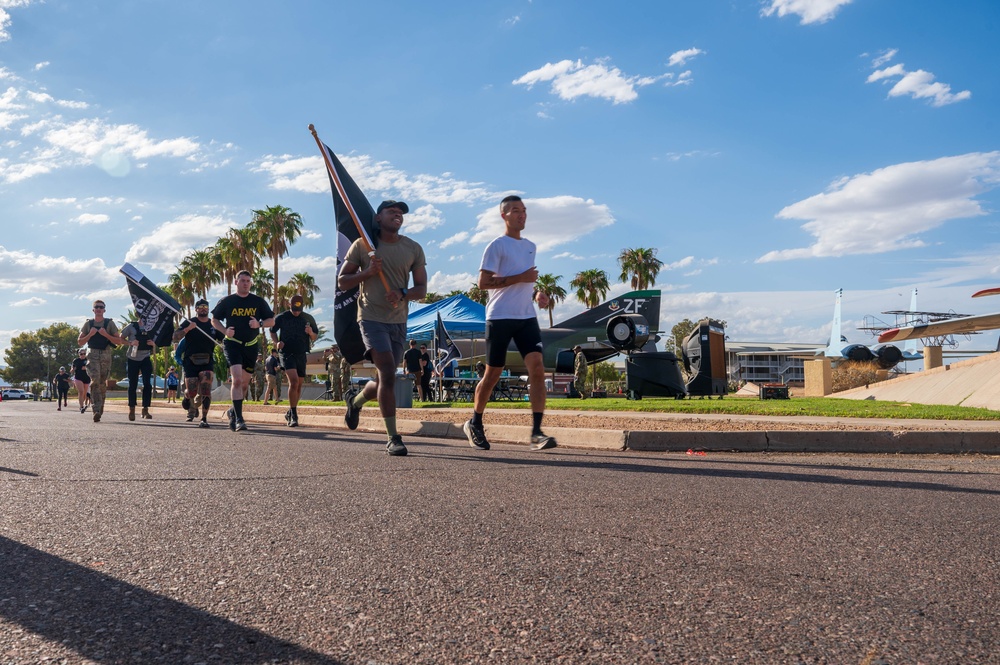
987 292
958 326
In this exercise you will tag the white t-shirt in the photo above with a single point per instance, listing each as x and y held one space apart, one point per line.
505 257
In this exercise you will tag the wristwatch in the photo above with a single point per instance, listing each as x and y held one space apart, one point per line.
403 290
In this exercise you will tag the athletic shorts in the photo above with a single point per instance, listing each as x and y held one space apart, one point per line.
384 338
293 360
82 377
192 371
238 353
525 333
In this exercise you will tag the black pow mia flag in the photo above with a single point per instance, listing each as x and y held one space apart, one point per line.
154 308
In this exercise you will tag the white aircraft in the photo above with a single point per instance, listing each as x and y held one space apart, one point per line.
884 357
957 326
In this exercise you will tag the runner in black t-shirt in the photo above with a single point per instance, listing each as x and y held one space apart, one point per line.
197 360
244 314
293 333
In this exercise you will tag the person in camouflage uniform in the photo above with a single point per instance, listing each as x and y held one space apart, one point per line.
345 376
259 380
333 370
580 372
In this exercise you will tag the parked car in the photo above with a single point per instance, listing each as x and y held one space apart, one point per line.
16 393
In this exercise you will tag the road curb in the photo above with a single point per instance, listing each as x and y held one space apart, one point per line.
777 441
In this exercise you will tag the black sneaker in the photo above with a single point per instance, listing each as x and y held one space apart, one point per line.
240 425
395 446
293 420
203 424
542 442
232 419
477 436
288 417
353 414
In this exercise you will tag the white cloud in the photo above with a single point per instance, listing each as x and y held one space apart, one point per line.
169 243
41 65
91 218
456 238
681 57
571 79
27 272
887 209
440 282
33 301
810 11
918 84
552 221
378 179
421 219
5 17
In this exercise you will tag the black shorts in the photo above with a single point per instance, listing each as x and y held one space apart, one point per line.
191 371
293 360
525 333
238 353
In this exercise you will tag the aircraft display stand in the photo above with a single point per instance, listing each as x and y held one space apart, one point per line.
653 374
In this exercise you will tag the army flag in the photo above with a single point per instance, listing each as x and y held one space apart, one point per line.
354 217
154 308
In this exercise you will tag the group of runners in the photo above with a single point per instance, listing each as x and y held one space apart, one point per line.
388 280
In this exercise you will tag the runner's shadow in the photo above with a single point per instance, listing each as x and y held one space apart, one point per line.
105 620
684 467
4 469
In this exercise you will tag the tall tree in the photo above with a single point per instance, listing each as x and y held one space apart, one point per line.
478 294
303 284
639 266
200 268
278 227
591 287
549 285
262 283
181 289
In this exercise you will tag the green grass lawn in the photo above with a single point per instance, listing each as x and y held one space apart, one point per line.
796 406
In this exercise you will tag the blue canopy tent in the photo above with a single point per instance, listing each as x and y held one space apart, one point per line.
462 317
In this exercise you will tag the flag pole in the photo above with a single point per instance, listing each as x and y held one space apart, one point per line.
347 202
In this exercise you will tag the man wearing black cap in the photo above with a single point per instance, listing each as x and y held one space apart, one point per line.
293 333
197 360
382 312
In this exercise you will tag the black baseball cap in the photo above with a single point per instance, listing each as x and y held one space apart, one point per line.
392 204
201 302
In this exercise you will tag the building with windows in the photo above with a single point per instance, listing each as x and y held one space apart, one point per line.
769 362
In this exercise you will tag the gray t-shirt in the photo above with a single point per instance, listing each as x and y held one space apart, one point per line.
141 352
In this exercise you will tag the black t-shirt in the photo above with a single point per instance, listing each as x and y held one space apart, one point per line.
195 342
61 381
291 330
412 360
272 364
236 311
80 369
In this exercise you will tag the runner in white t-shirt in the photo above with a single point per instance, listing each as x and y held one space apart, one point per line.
509 273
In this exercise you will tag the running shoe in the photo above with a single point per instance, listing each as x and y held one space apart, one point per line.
395 447
240 425
542 442
353 414
288 417
476 435
232 419
203 423
293 420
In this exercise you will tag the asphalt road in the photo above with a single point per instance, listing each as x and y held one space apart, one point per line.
157 542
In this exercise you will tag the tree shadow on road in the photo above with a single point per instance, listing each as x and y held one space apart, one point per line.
105 620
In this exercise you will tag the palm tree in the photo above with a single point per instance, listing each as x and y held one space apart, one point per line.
478 294
262 283
181 289
236 251
201 269
277 228
434 297
591 287
303 284
641 265
549 285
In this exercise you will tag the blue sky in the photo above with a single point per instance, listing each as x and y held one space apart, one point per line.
773 151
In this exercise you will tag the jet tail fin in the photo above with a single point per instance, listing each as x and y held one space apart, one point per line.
835 346
644 303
